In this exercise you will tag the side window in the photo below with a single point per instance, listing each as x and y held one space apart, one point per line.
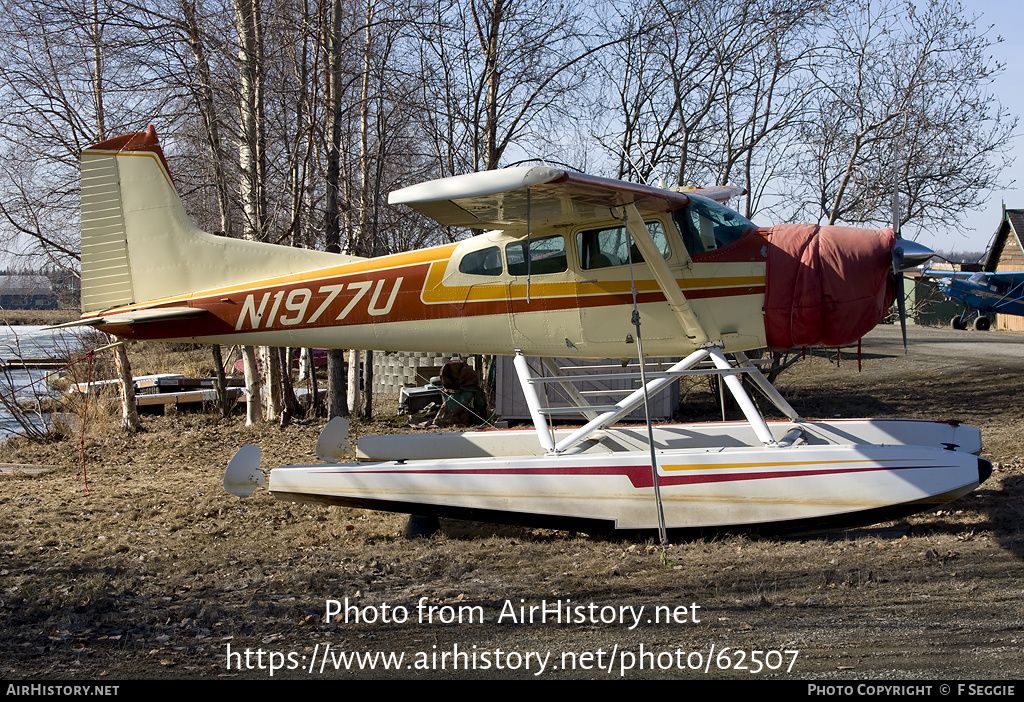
546 255
484 262
705 225
601 248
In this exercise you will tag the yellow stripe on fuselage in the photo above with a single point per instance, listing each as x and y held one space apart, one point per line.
435 292
761 464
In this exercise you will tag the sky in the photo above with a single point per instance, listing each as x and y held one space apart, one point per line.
1008 18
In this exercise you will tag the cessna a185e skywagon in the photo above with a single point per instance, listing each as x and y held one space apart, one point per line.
570 265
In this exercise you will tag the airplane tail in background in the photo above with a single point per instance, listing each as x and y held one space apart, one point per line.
139 246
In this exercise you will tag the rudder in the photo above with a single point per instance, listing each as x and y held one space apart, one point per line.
139 246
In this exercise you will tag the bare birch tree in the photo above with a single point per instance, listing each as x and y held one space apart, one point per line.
337 394
71 81
901 105
707 96
69 75
500 73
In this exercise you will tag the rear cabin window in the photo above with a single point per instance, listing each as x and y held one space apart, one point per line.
484 262
705 225
537 256
602 248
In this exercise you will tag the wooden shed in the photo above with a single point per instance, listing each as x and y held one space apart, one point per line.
1007 255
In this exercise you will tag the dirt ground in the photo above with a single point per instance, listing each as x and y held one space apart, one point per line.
144 567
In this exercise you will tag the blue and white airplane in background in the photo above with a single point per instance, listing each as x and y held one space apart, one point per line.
981 293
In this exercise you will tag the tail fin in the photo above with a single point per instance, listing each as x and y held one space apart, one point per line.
139 246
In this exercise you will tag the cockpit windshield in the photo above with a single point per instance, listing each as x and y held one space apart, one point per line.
705 225
993 282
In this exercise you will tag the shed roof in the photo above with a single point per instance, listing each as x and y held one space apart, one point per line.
1007 240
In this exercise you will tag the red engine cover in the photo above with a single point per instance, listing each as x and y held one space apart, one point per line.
826 285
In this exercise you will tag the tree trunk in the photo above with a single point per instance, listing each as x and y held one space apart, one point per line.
251 145
354 376
368 385
364 243
129 410
337 401
291 403
203 95
336 398
273 398
220 382
253 409
315 407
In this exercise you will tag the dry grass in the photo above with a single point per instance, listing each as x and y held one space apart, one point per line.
190 360
155 570
38 317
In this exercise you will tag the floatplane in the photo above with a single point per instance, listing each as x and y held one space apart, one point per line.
983 295
568 265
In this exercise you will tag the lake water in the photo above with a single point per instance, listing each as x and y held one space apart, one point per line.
30 342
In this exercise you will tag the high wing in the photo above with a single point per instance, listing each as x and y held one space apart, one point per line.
932 273
1013 278
1005 283
718 193
512 199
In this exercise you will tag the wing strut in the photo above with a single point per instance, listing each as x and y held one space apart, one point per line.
606 415
609 414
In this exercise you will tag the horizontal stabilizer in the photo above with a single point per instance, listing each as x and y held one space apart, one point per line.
136 317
